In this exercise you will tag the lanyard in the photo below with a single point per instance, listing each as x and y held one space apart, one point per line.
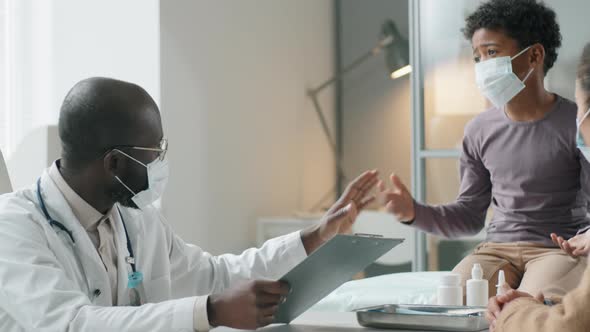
135 277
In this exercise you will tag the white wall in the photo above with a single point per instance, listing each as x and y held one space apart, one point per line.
111 38
244 141
58 43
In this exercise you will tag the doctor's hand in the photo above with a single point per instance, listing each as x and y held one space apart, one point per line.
248 306
397 200
578 245
340 218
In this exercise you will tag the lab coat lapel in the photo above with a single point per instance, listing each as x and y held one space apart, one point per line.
94 270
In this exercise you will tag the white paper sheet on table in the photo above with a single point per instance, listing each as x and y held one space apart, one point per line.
399 288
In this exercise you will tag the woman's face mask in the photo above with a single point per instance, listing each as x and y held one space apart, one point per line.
157 175
584 149
496 80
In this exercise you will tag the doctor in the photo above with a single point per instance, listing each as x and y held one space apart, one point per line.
84 250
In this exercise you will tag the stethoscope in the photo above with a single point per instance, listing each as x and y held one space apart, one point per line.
134 278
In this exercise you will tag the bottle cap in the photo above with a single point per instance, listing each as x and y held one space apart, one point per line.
450 280
477 272
501 283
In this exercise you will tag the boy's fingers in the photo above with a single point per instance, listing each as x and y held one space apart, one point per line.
398 185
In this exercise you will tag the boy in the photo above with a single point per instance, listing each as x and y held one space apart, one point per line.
520 156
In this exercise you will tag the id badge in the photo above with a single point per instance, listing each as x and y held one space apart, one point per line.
133 282
134 298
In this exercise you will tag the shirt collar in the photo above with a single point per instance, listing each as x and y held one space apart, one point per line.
87 215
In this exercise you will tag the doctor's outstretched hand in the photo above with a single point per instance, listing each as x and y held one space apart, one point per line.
340 218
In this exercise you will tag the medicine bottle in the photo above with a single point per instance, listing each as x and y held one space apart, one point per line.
477 288
450 291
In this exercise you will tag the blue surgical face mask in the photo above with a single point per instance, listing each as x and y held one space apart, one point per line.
579 140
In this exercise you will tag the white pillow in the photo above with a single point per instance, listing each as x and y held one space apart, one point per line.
399 288
5 186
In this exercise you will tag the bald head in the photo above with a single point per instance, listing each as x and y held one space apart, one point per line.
100 113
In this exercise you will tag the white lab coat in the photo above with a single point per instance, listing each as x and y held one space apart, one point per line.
49 284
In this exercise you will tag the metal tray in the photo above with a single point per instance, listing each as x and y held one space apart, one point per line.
424 317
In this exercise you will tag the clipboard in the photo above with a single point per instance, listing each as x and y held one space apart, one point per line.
331 265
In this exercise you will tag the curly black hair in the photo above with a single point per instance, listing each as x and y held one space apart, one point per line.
526 21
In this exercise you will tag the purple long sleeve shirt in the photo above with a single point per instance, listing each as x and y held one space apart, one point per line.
528 171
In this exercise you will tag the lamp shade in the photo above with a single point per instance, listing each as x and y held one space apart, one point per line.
397 50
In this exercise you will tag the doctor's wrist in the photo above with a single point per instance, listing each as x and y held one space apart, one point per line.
211 312
311 238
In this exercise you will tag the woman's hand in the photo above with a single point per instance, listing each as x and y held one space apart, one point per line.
578 245
497 303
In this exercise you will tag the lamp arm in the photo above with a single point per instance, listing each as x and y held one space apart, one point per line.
323 122
372 52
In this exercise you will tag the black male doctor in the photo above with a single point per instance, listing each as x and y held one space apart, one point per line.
83 249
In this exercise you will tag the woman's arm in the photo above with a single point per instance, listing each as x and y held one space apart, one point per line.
527 314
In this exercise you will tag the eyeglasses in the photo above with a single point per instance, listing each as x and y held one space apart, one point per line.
161 149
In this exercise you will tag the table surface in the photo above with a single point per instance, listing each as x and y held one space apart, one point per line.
316 321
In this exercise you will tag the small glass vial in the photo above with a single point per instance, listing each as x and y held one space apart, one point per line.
450 291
